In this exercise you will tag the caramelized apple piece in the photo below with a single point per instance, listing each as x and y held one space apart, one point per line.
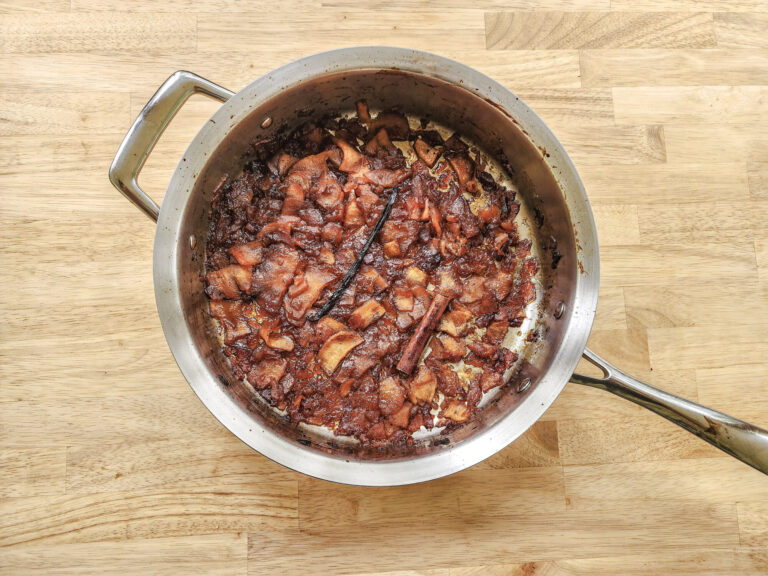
414 275
327 327
276 341
231 316
336 348
452 349
353 215
424 151
403 299
392 249
482 349
362 112
227 282
273 276
391 396
248 254
326 256
490 380
456 411
386 178
474 289
448 283
371 281
305 291
395 123
455 322
381 140
423 386
464 168
267 373
365 315
496 332
278 231
400 418
352 161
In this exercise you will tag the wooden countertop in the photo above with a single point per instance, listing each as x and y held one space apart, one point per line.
110 464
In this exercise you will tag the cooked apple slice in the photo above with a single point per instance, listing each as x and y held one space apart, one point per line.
423 386
424 151
391 396
336 348
366 315
455 322
227 282
414 275
456 411
248 254
327 327
276 341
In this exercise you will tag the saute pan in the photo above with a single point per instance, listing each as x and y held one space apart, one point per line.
555 214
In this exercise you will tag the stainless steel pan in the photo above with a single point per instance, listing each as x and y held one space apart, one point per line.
555 208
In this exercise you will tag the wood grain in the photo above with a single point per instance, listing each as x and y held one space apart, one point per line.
545 30
674 67
109 464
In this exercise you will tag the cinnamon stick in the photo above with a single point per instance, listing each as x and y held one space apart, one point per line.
423 332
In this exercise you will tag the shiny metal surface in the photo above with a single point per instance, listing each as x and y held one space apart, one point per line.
421 84
741 440
147 128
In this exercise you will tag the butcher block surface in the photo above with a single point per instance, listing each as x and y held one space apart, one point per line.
109 464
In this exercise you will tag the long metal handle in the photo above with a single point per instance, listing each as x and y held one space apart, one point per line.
741 440
143 135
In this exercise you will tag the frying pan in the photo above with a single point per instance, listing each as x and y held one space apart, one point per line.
555 214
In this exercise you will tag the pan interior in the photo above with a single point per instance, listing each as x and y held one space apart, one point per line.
544 218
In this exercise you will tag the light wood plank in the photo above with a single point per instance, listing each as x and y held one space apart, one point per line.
70 32
651 184
536 448
651 265
753 523
708 142
761 254
741 30
757 174
614 144
707 346
545 30
611 312
14 6
235 67
564 107
699 5
662 223
407 5
645 438
674 67
63 113
147 514
109 420
215 554
738 390
660 104
190 6
617 224
698 480
454 500
688 562
424 31
131 466
696 304
32 472
341 547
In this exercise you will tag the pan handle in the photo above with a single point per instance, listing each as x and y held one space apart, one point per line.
741 440
146 130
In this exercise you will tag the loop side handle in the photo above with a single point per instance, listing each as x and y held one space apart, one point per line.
741 440
143 135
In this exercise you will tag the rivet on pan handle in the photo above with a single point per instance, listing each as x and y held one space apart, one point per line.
143 135
741 440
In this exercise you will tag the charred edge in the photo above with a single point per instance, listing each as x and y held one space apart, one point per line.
224 381
441 442
304 442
